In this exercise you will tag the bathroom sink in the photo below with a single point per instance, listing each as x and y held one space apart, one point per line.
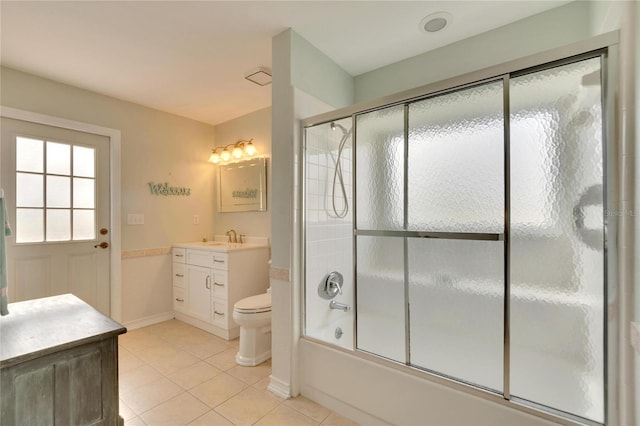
215 243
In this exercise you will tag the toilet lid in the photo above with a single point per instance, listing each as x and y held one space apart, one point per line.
254 303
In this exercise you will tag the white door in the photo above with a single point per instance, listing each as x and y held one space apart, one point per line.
56 184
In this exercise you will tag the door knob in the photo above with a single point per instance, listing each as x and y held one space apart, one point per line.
102 245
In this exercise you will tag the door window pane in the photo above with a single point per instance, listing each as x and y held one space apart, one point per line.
380 169
29 155
58 191
83 193
557 239
58 158
83 161
456 156
29 190
29 225
84 225
58 225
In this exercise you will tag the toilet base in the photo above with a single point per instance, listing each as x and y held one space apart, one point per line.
255 346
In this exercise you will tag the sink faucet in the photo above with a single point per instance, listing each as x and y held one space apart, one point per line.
235 236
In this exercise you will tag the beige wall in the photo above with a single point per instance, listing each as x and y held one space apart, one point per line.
256 126
155 147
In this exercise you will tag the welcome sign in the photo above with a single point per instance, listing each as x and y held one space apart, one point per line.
242 186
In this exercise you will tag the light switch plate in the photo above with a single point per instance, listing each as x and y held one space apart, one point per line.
135 219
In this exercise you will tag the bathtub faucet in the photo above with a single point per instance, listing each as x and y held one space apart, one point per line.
337 305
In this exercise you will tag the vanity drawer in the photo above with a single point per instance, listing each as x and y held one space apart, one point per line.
219 288
219 313
178 274
220 261
208 259
178 255
179 299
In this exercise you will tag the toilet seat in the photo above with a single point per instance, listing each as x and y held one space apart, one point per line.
254 304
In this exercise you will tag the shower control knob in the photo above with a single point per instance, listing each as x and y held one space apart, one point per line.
331 285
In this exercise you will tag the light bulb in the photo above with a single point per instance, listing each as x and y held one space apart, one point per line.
225 155
215 158
237 152
250 149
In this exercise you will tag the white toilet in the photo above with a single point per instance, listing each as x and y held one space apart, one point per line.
253 314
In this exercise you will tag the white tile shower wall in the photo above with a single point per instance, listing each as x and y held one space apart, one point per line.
329 241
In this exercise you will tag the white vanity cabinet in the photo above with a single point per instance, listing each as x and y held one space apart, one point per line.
209 279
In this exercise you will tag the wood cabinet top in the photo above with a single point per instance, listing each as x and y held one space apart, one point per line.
38 327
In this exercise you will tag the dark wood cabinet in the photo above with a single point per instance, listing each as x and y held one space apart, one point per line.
58 364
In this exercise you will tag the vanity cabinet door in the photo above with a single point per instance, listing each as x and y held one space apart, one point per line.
199 283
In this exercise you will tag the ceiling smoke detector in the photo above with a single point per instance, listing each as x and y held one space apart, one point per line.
435 22
260 76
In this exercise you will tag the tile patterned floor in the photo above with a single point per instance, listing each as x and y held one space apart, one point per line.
174 374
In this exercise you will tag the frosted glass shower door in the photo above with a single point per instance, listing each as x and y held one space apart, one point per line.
456 194
557 239
379 209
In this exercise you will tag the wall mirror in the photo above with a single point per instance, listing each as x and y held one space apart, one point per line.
242 186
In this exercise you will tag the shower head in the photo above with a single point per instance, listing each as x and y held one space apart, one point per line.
334 125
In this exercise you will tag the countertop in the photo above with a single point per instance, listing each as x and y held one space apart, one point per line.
38 327
223 246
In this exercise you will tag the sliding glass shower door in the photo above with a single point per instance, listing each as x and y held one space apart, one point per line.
479 235
557 238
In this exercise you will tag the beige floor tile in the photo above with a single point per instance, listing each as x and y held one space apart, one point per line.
125 411
215 391
138 377
205 349
235 342
176 412
171 363
193 375
336 419
251 375
285 416
157 352
127 361
309 408
224 360
262 384
211 419
136 421
138 340
171 327
150 395
248 406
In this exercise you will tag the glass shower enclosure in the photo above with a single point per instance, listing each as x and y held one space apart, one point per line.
469 228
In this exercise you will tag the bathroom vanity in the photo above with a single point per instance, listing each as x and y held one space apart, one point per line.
209 278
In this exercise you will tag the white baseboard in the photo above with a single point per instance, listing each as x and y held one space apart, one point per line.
146 321
280 388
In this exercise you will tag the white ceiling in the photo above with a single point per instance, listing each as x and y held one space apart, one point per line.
190 57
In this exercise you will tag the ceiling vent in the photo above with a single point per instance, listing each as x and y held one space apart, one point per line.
260 76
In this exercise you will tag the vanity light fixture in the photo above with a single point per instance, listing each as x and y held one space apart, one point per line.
236 150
